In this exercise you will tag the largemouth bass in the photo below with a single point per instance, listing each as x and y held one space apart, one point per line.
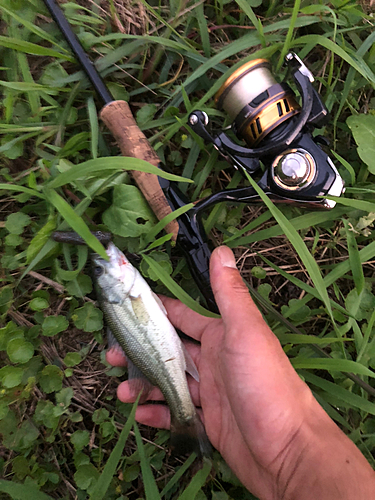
156 355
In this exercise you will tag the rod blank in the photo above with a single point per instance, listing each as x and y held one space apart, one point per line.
78 51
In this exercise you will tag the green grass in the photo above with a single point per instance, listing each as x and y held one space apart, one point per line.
65 435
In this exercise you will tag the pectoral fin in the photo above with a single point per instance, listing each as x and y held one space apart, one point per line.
140 310
191 368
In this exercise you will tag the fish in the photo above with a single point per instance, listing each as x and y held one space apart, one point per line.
156 355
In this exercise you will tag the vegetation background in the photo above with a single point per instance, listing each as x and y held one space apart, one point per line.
63 433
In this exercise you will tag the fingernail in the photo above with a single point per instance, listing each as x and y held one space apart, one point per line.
226 257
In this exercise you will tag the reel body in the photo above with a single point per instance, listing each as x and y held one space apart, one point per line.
277 131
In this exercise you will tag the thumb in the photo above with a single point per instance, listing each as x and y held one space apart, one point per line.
231 294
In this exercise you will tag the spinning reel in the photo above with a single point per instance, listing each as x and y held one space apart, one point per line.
277 130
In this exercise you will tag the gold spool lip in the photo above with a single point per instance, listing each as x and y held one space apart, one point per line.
245 68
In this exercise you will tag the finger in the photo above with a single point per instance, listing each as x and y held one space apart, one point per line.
231 294
154 416
182 317
115 357
126 395
157 416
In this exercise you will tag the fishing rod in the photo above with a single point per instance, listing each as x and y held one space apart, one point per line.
277 131
163 196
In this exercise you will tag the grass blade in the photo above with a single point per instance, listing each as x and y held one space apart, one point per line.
293 19
197 482
111 163
110 467
22 189
298 223
151 489
94 127
75 222
340 365
294 338
178 475
177 291
337 391
299 245
354 258
32 48
151 235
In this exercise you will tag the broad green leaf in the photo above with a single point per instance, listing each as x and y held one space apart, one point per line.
22 491
363 130
6 299
88 318
360 306
64 397
176 289
80 439
20 351
163 261
11 376
38 304
15 223
72 359
129 215
51 379
99 166
45 414
80 286
86 477
52 325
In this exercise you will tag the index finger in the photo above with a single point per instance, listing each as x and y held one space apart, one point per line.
187 320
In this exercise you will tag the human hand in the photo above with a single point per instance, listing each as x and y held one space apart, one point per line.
257 411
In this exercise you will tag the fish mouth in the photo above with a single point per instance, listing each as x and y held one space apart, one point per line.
116 256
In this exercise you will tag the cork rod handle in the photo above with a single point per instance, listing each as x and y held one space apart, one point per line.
132 142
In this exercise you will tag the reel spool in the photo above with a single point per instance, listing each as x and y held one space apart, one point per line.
255 102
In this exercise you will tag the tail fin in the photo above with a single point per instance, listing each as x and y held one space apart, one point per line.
186 438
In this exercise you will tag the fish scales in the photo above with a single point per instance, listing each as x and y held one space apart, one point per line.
150 350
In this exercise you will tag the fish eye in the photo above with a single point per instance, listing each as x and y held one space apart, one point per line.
98 271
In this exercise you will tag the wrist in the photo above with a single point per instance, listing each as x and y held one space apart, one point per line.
324 463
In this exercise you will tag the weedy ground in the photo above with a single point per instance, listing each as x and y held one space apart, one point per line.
63 433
